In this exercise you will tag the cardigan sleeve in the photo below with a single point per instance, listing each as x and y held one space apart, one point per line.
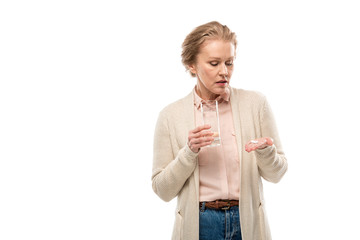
271 160
170 171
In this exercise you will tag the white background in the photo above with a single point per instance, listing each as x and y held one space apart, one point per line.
82 83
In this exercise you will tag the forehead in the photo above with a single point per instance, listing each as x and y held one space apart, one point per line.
214 48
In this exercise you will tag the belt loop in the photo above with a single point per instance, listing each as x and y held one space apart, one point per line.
202 206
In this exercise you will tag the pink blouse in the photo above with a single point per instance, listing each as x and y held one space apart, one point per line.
219 166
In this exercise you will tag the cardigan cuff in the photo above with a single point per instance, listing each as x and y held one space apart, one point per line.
265 150
188 154
266 154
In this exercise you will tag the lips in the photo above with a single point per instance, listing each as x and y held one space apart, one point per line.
222 81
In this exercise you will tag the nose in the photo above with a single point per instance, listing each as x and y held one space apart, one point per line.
223 70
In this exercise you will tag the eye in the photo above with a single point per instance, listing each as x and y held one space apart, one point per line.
229 63
214 64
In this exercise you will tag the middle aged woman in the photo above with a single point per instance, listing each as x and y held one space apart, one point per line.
219 189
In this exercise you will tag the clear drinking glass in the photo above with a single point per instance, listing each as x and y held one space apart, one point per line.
210 115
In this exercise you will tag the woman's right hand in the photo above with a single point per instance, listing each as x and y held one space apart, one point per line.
200 137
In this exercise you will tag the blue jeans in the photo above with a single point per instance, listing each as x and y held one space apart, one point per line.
219 224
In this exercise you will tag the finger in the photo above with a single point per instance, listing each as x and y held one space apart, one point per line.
269 141
262 146
202 144
194 141
255 144
195 147
200 128
251 147
195 144
260 142
200 135
203 134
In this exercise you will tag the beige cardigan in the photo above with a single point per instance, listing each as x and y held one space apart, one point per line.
176 172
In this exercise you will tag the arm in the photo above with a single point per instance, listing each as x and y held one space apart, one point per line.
270 157
169 172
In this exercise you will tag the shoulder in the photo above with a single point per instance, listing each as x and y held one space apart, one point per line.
176 107
248 96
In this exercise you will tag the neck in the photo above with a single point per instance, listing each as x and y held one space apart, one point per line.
205 94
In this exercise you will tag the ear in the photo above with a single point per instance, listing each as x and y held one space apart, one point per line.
192 68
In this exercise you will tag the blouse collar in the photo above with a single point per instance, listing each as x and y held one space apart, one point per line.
223 97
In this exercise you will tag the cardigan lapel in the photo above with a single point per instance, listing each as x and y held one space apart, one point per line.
189 115
235 107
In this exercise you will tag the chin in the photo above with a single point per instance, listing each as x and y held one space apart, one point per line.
220 90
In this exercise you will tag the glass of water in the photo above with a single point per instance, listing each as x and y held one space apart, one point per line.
210 115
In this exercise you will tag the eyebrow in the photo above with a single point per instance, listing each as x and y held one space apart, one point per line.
217 58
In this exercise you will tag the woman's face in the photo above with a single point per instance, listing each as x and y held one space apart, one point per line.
213 68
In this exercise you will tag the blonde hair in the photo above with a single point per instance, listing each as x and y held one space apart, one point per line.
192 43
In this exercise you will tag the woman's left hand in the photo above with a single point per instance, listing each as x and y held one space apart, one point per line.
259 143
